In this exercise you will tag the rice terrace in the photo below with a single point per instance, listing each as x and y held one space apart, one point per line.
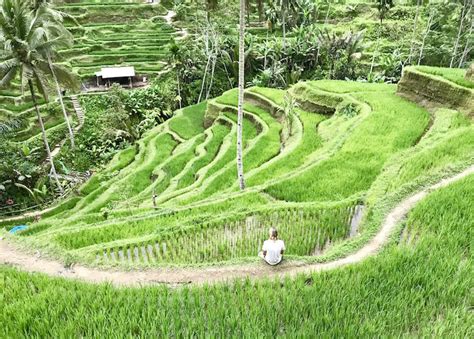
224 168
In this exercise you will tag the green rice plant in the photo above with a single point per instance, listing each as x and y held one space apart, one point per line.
138 178
305 231
191 122
121 160
92 229
456 75
173 167
250 132
264 149
395 124
455 148
311 141
417 289
219 131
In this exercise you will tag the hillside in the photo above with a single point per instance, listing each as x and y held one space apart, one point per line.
369 183
290 175
291 169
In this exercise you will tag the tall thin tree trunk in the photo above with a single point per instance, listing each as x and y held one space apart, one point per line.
318 51
43 132
179 90
283 26
415 23
204 78
372 64
458 37
227 74
240 112
63 107
467 47
260 10
207 64
247 8
427 31
214 61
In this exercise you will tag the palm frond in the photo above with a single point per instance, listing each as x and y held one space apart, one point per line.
40 81
64 76
8 76
7 64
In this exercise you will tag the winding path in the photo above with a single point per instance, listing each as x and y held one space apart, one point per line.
176 276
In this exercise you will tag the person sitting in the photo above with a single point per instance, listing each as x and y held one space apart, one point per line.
273 248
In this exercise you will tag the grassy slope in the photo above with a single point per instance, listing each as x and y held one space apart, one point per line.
128 224
393 125
190 123
219 132
417 288
311 141
455 75
265 149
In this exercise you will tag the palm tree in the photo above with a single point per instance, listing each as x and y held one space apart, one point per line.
23 46
286 6
210 6
59 36
384 7
260 9
240 113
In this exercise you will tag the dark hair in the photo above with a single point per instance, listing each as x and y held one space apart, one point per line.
273 232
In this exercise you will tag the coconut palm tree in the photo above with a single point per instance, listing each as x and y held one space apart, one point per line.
286 7
23 45
56 34
240 113
384 6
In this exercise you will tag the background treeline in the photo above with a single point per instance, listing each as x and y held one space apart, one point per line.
292 40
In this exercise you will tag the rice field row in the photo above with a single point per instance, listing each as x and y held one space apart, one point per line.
132 34
416 289
309 231
105 35
326 157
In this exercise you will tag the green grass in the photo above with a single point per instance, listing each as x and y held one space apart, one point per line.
456 75
138 178
393 125
311 141
119 161
219 131
250 132
190 122
177 164
267 147
420 285
307 230
416 289
451 150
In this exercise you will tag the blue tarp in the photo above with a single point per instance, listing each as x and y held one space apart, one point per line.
18 229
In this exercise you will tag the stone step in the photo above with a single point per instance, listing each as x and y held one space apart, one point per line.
78 109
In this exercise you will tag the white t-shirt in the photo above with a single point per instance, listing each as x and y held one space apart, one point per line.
273 249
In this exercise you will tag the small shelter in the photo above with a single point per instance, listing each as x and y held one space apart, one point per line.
122 75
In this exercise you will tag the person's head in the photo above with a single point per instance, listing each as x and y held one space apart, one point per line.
273 233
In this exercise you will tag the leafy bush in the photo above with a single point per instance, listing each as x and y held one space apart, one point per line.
117 119
348 109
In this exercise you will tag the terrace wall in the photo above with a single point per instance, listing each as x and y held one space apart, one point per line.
427 89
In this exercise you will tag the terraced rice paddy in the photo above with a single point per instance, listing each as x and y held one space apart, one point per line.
105 34
307 184
326 182
118 34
